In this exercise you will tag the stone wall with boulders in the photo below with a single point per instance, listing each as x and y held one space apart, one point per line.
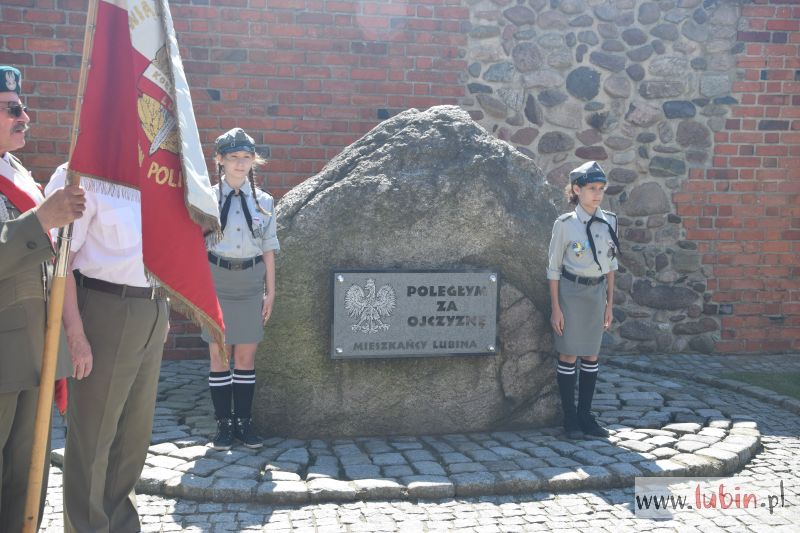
641 87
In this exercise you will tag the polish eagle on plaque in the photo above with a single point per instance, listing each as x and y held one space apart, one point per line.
370 307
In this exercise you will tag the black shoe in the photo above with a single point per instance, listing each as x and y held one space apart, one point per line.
223 440
590 427
243 432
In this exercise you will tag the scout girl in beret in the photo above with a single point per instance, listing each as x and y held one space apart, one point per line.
243 268
582 261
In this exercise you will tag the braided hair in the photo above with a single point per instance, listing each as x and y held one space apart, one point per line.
219 181
251 179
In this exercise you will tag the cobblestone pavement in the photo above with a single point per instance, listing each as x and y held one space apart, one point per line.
508 481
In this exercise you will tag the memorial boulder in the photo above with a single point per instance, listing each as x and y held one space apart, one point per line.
424 190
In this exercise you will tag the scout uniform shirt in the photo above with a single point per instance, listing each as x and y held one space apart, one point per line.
570 248
237 241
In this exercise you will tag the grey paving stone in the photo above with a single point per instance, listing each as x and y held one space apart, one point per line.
397 471
664 467
418 455
329 471
561 462
482 455
200 467
454 457
460 468
560 478
597 477
282 492
355 459
664 453
362 471
511 481
625 472
386 459
473 483
162 461
660 440
685 427
690 446
237 472
294 455
497 466
697 465
193 453
323 489
429 468
279 475
637 446
729 460
529 463
508 453
232 490
563 448
589 457
378 489
429 486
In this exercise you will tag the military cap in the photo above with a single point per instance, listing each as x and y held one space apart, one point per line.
235 140
10 79
589 172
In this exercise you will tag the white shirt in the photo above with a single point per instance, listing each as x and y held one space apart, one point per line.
569 245
107 239
237 240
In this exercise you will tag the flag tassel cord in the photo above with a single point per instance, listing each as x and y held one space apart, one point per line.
55 307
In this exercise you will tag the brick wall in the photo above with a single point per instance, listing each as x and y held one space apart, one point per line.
743 212
304 77
308 77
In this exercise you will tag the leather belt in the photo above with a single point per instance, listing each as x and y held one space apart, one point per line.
123 291
580 279
235 264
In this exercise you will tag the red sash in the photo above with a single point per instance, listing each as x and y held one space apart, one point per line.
15 195
24 203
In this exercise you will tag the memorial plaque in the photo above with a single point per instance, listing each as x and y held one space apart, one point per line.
413 313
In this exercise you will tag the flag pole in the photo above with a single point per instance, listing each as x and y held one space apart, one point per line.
55 307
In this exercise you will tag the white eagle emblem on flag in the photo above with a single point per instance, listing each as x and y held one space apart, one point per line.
370 307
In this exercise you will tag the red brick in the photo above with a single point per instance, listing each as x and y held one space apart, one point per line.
751 11
786 25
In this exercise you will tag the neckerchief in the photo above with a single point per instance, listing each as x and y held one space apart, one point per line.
591 240
226 207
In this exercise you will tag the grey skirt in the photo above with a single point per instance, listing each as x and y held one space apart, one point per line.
241 295
584 307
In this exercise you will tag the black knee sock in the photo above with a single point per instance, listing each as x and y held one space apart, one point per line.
220 385
566 377
244 385
586 385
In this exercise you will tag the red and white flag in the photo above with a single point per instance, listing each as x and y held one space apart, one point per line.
137 129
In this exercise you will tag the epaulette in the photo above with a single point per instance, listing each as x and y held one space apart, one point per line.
616 219
566 216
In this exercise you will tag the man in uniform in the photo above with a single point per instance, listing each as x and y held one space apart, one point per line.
25 268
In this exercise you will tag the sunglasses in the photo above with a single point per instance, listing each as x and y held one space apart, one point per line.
15 109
